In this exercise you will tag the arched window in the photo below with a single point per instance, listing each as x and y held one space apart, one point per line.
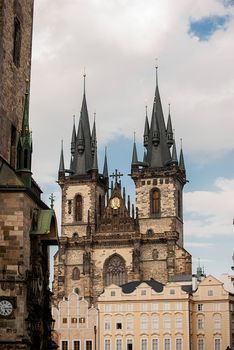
155 201
76 273
114 270
78 208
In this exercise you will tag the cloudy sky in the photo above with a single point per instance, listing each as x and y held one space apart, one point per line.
117 41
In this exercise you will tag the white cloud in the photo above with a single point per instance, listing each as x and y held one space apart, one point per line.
118 41
210 213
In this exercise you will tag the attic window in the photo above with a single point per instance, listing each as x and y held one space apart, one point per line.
172 291
210 292
112 293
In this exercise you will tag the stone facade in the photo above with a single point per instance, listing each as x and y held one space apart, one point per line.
111 240
27 225
27 228
13 76
78 324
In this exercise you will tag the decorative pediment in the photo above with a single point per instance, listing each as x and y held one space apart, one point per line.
117 216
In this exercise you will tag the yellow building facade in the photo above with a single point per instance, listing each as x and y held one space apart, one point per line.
144 316
152 316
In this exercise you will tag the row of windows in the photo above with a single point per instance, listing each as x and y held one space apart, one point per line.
216 323
76 345
201 344
144 307
155 204
144 323
154 345
74 320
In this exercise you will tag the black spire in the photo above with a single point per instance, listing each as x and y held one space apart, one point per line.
158 153
83 158
73 145
146 131
93 138
134 153
24 148
95 160
169 130
61 162
181 160
105 167
174 159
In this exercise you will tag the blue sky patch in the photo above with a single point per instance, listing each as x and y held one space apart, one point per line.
228 2
205 27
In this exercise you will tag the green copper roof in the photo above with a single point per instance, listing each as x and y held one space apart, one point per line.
44 222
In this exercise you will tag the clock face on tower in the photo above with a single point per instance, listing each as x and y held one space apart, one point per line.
6 308
115 203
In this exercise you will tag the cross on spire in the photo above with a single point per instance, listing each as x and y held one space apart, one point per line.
116 175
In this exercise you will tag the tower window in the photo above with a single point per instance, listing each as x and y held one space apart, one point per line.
76 273
78 208
155 201
16 42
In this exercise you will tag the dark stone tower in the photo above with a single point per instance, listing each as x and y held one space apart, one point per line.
16 19
27 225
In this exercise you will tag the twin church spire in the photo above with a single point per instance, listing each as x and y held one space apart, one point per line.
159 143
84 160
158 139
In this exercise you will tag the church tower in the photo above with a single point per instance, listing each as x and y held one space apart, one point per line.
105 239
159 180
83 200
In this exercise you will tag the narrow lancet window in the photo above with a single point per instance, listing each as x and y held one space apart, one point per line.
76 273
78 208
16 42
155 201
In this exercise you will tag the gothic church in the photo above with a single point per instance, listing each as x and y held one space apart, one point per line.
104 238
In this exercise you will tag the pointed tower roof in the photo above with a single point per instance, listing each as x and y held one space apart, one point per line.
61 163
169 129
95 160
83 158
73 138
105 167
181 160
174 159
158 150
146 130
134 153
